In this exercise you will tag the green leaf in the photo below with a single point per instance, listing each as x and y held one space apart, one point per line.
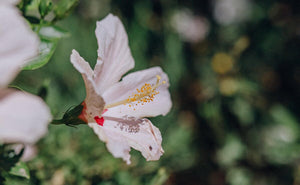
49 37
52 32
21 170
46 50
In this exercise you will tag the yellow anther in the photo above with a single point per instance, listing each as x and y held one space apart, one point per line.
158 79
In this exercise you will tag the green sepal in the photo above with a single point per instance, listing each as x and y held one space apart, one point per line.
70 118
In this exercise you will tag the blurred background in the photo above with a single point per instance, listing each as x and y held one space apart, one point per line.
235 84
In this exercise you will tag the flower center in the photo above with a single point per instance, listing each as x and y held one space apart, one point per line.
143 95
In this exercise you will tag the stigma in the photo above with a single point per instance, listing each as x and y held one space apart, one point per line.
142 95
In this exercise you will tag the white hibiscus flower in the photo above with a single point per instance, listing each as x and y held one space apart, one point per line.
23 117
116 109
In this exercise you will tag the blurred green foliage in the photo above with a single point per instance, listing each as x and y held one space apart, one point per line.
9 165
235 115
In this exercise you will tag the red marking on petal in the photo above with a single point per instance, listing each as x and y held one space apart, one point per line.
82 116
99 121
104 111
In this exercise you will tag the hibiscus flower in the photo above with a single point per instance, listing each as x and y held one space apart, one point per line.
23 117
115 109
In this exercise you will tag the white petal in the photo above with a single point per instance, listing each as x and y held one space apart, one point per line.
8 71
93 101
122 133
114 56
18 43
160 105
81 65
24 117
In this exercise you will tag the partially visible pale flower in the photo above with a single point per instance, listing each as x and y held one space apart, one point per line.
23 117
190 27
231 11
17 42
116 109
11 2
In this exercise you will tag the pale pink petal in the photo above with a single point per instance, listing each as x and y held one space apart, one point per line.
94 103
30 151
24 117
160 105
10 2
120 134
114 56
8 71
18 43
